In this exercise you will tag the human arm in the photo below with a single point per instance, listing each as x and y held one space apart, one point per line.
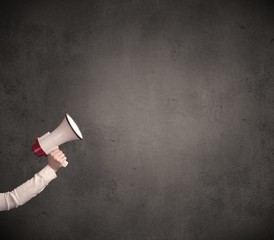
35 185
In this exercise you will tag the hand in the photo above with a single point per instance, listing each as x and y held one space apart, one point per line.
56 159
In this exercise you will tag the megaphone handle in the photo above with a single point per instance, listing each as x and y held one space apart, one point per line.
65 163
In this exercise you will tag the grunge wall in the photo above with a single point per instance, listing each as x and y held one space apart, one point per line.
175 101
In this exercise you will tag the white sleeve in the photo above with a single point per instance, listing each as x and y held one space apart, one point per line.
27 190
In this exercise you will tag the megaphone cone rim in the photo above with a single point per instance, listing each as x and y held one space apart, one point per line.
81 138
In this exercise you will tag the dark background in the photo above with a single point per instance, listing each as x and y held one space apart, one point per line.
175 101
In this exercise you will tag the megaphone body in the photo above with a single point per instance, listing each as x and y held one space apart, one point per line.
65 132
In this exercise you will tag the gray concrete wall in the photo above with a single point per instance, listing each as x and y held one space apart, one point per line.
175 102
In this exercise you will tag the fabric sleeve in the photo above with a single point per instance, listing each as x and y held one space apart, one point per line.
27 190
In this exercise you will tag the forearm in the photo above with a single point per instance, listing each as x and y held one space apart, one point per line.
27 190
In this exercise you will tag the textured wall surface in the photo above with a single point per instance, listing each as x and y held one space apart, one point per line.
175 100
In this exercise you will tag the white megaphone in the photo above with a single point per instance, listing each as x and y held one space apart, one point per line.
65 132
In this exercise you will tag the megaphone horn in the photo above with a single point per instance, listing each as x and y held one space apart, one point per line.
65 132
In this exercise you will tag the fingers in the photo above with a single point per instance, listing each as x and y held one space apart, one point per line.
62 160
56 159
58 155
55 151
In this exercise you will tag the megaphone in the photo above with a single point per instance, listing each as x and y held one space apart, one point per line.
65 132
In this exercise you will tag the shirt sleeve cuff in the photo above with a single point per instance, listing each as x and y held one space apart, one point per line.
48 174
